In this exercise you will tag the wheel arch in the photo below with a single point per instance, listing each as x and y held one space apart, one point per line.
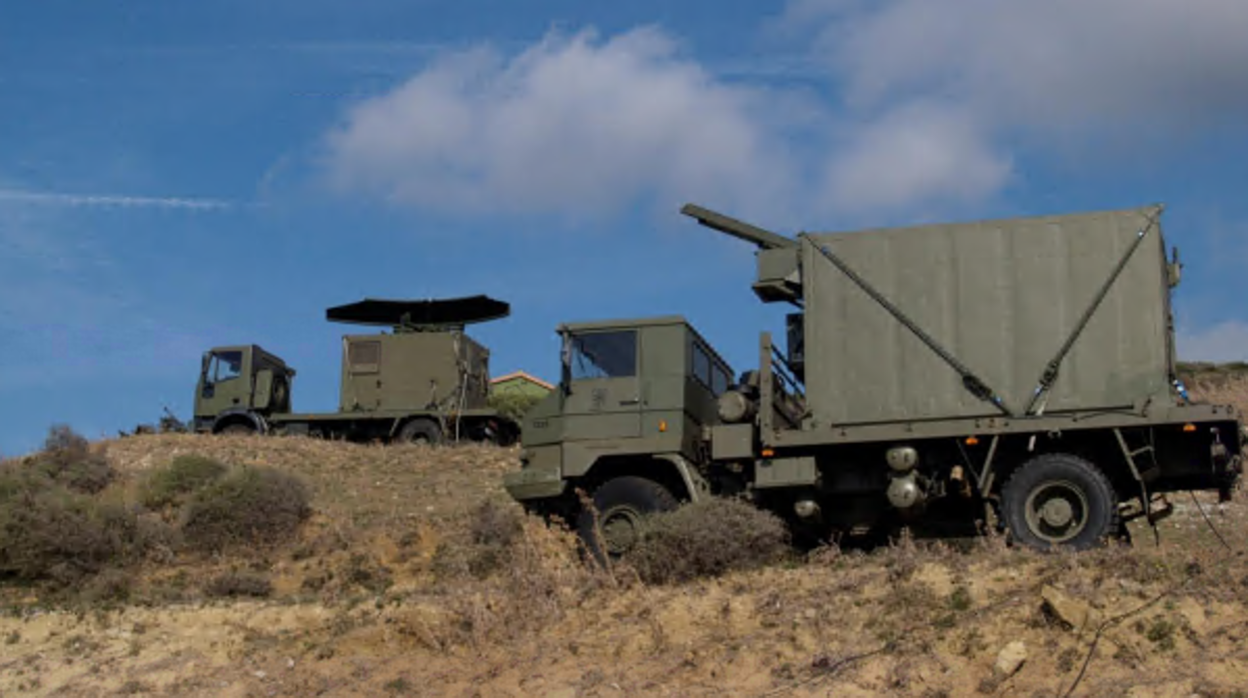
670 470
239 416
401 423
1099 447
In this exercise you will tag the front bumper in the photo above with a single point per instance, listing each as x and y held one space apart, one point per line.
538 478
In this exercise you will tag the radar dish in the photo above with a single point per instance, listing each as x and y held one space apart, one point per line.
420 314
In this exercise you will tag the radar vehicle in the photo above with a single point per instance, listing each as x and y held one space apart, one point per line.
426 380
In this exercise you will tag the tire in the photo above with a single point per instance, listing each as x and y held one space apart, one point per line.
419 431
238 429
620 504
1059 500
505 435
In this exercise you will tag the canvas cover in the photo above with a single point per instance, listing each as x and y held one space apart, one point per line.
1001 296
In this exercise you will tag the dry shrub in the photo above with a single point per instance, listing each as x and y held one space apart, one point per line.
252 505
237 584
67 458
708 538
110 585
50 532
486 548
185 475
545 575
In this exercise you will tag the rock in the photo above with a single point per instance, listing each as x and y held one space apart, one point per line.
1075 615
565 692
1010 658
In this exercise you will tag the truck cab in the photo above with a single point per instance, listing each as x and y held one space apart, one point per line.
237 384
626 422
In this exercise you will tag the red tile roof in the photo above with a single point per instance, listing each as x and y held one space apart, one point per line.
525 376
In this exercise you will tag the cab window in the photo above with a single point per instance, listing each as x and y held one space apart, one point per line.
604 355
225 365
719 380
706 370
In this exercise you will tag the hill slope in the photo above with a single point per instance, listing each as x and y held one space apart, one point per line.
415 575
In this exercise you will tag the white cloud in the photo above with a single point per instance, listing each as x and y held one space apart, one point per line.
916 154
1227 341
1081 79
79 200
1050 66
924 106
569 125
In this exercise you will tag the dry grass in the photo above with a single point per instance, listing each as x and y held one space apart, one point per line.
1229 389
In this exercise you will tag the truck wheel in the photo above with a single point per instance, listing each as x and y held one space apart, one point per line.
238 429
1059 500
621 503
419 431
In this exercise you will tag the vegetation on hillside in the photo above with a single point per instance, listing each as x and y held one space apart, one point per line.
388 570
68 517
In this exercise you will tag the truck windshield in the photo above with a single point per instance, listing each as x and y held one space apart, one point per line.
225 365
604 355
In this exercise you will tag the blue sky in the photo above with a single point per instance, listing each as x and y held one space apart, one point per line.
174 176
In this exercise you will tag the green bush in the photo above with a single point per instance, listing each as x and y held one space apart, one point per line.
706 539
171 484
513 405
252 505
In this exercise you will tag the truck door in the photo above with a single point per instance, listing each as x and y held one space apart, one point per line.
224 382
362 382
603 372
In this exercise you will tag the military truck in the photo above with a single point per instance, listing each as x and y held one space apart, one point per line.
425 381
1013 373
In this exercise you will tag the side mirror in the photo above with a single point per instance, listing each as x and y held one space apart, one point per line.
1174 270
565 366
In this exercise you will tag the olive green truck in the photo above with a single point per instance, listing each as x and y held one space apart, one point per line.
1020 371
424 381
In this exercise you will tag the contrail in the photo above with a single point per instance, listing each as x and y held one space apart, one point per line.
56 199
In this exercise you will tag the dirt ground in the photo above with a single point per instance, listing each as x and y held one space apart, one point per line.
375 598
